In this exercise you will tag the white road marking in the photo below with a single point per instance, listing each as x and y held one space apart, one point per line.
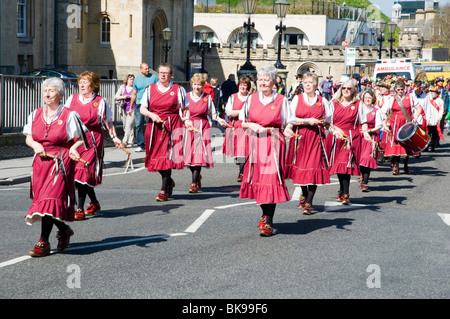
112 243
445 218
199 221
234 205
127 172
296 194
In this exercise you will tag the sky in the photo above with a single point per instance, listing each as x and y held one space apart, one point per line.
386 5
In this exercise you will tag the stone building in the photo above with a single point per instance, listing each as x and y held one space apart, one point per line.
309 43
109 37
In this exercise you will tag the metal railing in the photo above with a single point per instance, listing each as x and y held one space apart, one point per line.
20 95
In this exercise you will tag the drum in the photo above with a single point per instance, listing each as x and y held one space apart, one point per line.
413 138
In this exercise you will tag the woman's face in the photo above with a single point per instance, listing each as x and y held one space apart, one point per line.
130 80
197 87
265 84
85 86
51 95
367 100
347 91
243 89
309 85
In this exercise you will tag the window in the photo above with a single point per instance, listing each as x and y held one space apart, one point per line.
105 31
21 18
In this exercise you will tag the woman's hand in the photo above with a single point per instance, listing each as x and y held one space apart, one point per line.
288 131
117 142
256 127
189 125
222 122
73 154
39 149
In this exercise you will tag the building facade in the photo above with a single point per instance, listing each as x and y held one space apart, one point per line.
314 43
109 37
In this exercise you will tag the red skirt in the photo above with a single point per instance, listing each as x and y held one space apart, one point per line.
164 145
263 177
305 161
52 196
197 145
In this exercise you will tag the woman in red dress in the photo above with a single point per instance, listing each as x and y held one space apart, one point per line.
369 149
306 161
265 115
234 143
344 143
394 119
166 105
197 143
50 132
95 113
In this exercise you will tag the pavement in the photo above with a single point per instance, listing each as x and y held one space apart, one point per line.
17 167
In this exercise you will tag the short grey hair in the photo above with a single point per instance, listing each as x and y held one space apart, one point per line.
268 70
57 83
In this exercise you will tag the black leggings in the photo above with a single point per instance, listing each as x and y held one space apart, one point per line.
309 191
166 177
195 170
365 173
84 190
268 210
344 183
47 223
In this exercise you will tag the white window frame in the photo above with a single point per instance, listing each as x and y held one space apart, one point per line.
105 22
22 18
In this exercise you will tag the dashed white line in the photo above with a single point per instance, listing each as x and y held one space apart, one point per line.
199 221
445 218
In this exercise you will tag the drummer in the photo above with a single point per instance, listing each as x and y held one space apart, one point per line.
394 118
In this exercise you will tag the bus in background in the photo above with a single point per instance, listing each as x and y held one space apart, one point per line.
396 67
433 69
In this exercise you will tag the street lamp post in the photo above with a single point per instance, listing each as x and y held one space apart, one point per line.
282 7
391 28
380 26
167 35
249 8
204 36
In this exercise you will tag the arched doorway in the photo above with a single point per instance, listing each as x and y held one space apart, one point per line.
308 67
159 24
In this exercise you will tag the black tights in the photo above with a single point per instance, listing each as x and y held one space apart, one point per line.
344 183
84 190
47 225
396 159
195 170
365 173
268 210
241 168
166 176
309 192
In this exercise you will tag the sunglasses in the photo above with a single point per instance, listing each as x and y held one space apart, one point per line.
346 89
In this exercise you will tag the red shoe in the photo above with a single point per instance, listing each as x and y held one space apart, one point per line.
345 199
307 209
162 197
339 196
79 214
363 188
194 188
91 209
170 188
41 249
240 177
262 221
302 202
64 238
266 230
